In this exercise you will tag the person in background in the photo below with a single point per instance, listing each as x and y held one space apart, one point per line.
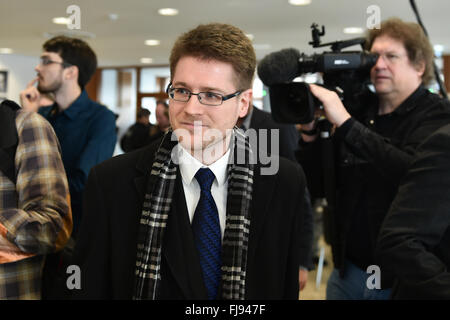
35 215
138 135
162 120
414 240
375 146
85 129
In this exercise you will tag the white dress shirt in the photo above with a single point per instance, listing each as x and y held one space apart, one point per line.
219 189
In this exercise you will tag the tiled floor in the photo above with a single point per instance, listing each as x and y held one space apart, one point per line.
311 291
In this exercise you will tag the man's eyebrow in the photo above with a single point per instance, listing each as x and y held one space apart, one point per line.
179 83
202 89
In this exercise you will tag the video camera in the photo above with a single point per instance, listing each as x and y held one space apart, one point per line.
347 73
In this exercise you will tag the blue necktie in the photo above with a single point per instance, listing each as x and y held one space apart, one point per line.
206 229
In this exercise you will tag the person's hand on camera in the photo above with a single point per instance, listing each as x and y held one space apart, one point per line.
302 278
30 97
335 111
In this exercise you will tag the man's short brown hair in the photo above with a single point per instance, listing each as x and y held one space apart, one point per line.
414 40
75 52
221 42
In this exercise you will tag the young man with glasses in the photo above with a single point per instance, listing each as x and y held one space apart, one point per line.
86 130
375 147
190 216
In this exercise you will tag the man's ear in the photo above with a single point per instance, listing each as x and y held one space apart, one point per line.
420 67
71 73
245 98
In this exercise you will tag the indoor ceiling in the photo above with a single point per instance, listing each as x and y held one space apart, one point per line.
274 24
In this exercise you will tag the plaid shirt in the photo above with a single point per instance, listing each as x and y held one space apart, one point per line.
35 216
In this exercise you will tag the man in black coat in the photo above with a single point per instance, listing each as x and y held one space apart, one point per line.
414 241
155 229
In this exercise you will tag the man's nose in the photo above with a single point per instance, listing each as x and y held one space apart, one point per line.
381 62
193 106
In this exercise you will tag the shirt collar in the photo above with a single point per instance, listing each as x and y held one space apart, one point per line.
77 106
189 167
410 103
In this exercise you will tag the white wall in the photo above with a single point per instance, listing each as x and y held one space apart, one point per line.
20 72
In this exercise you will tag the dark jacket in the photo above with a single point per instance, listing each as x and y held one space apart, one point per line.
137 136
369 167
106 247
414 241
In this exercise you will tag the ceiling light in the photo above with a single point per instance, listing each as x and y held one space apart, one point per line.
353 30
299 2
113 16
152 42
6 50
146 60
168 12
61 20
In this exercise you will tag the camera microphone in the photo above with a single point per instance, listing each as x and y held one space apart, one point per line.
279 67
285 65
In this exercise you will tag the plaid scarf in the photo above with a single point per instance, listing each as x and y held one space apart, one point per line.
156 210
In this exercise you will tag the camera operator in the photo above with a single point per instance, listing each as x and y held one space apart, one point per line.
375 145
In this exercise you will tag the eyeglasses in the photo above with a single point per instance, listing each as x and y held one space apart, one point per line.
46 61
206 98
390 57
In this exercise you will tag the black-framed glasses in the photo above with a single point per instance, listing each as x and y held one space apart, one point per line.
206 98
46 61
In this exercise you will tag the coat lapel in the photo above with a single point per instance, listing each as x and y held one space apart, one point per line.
144 167
179 248
263 187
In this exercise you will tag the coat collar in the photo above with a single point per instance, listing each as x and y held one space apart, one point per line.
263 191
144 166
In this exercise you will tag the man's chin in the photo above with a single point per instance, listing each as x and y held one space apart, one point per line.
42 89
195 143
47 89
